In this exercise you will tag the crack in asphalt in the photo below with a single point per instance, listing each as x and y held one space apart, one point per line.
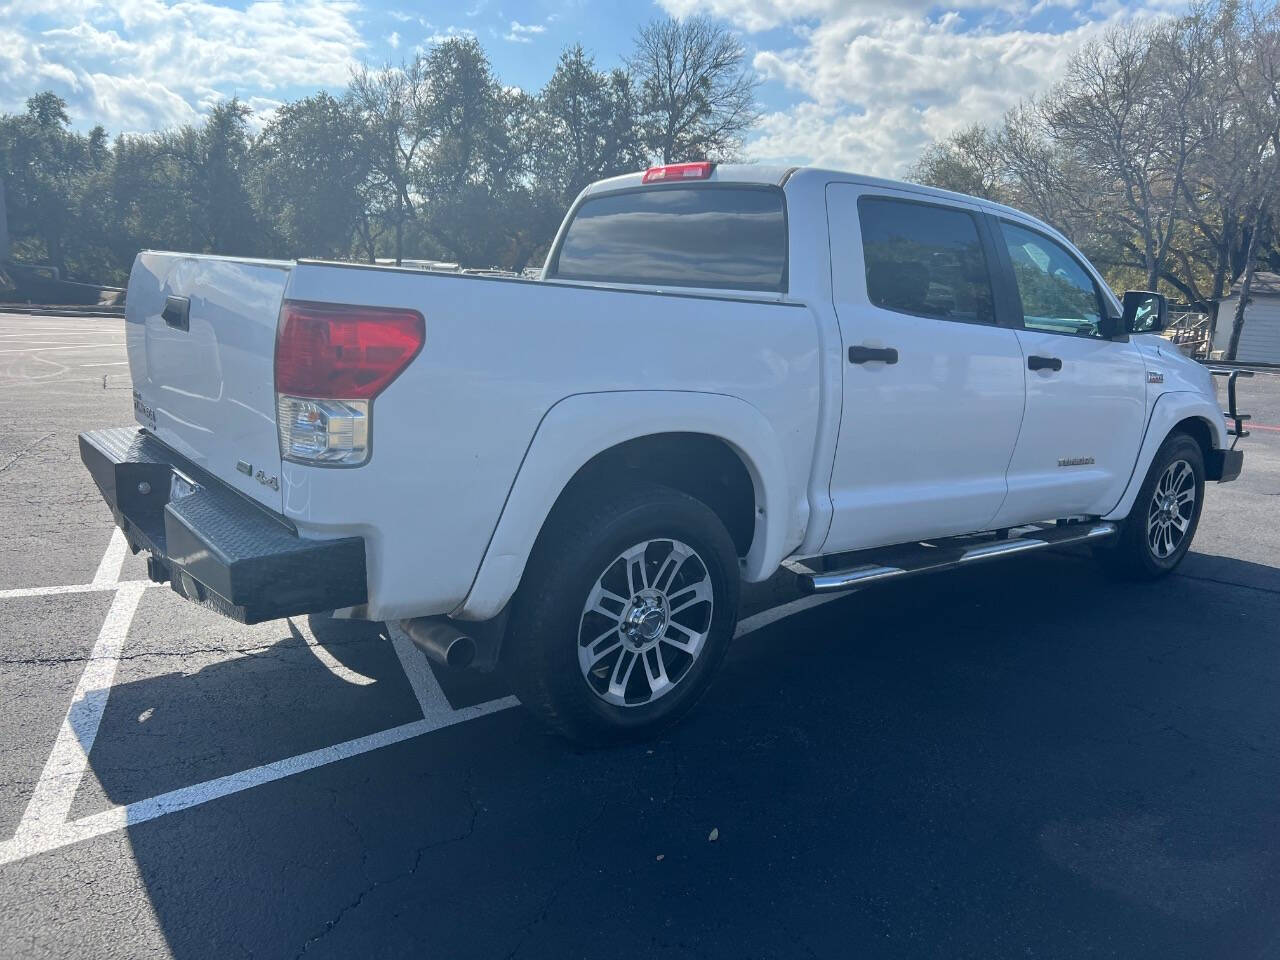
576 858
25 450
1228 583
262 651
420 853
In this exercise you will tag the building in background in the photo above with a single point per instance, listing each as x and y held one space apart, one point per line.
1260 338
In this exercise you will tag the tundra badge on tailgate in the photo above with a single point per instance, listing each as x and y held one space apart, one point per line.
145 413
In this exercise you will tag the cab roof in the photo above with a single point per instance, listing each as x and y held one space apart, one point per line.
777 175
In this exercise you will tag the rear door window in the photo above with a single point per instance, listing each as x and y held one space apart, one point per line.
925 260
731 238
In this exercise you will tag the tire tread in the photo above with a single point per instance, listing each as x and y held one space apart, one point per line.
574 529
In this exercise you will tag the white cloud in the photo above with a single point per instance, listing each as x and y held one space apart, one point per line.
875 89
128 103
393 40
146 64
523 32
445 33
912 60
755 15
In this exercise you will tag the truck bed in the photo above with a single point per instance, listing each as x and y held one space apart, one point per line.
450 434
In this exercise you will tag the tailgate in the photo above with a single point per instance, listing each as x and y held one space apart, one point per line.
201 334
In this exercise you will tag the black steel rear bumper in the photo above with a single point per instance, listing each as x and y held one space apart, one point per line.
214 546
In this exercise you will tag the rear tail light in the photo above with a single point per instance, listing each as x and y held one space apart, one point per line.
331 362
677 171
323 431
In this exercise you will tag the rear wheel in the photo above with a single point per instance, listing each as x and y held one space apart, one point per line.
1158 531
626 610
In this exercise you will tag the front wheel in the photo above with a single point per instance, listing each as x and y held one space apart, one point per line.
625 612
1158 531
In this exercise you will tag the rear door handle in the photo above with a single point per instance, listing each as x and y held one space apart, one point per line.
873 354
177 312
1043 363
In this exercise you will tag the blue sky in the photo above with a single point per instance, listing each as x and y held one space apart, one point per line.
863 84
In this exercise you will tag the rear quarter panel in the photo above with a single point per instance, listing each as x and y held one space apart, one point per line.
449 435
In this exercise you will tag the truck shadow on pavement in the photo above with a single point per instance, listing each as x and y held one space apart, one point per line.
1019 760
310 685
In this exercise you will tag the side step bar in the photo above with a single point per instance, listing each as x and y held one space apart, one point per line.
895 562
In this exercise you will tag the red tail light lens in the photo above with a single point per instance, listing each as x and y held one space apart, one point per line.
677 171
343 353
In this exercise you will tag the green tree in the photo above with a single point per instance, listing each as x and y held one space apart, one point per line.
45 166
310 167
390 105
589 128
1155 154
150 203
473 178
697 95
968 161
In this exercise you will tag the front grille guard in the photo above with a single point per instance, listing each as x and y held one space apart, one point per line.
1233 411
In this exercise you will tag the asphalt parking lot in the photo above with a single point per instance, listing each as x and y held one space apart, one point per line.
1022 760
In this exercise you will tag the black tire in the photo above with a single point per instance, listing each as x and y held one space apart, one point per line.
579 548
1132 555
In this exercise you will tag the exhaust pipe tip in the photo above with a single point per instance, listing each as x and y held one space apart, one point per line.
461 653
441 641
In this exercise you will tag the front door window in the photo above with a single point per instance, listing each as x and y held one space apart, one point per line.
1058 295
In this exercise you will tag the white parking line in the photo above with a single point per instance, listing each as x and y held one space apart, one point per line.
44 826
435 705
16 592
765 617
78 346
52 836
108 573
51 800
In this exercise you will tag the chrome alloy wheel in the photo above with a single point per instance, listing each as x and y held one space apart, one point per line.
651 607
1173 504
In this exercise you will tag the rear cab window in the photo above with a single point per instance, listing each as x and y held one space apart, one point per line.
728 237
925 260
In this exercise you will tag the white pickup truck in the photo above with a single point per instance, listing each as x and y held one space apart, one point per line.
723 371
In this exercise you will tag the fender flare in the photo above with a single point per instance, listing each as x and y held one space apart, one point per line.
581 426
1169 410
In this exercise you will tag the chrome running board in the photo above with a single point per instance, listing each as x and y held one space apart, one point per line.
890 563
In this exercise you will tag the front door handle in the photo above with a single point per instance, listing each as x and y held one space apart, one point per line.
872 354
1043 363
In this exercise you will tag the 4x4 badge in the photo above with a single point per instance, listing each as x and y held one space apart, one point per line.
1153 377
266 481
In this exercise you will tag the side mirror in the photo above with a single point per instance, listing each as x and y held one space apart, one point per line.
1145 312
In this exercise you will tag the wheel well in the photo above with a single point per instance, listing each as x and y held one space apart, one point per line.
703 466
1198 430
